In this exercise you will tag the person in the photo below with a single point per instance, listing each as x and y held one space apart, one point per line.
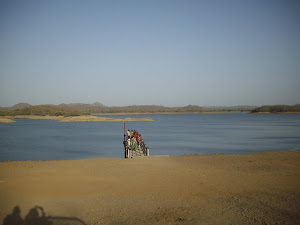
131 133
128 134
128 142
140 137
133 144
138 140
136 134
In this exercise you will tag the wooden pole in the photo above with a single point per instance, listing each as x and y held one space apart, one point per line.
125 144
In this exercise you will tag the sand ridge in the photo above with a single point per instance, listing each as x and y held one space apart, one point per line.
85 118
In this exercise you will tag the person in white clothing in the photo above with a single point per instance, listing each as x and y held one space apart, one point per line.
128 142
128 134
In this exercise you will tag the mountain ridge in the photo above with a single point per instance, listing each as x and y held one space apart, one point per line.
94 108
99 108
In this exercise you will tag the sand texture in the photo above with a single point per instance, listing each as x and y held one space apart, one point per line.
9 119
260 188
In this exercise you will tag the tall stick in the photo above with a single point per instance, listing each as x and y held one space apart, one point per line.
124 142
124 131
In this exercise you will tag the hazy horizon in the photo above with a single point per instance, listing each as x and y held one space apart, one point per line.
170 53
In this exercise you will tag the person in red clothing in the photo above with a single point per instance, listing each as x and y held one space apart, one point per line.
136 134
139 139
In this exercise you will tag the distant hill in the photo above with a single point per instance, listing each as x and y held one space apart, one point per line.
190 108
98 108
147 109
96 104
17 106
277 109
42 110
240 108
83 107
95 108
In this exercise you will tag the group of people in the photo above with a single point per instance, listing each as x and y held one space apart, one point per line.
134 139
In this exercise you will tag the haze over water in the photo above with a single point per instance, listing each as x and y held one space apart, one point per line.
177 134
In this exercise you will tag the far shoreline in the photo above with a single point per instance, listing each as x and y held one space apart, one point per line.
174 113
95 118
274 113
86 118
164 113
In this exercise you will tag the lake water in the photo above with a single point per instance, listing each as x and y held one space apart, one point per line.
177 134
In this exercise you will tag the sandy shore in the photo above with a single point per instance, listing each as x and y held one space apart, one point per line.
10 119
260 188
6 120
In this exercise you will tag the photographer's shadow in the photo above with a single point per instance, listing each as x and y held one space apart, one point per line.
37 216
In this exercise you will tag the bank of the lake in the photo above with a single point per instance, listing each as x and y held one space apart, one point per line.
259 188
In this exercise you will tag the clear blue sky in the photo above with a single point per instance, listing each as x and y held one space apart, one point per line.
163 52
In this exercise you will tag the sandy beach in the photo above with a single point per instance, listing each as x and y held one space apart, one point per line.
259 188
85 118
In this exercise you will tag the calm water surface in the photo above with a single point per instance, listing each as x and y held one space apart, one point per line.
169 135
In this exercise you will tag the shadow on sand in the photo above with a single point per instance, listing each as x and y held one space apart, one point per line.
37 216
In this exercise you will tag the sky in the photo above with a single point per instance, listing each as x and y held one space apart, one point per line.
150 52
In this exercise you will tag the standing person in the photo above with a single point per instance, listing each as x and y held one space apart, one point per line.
131 134
129 142
139 139
128 134
133 144
136 134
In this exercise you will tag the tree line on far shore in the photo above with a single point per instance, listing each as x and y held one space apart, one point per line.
88 109
277 109
97 108
43 110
